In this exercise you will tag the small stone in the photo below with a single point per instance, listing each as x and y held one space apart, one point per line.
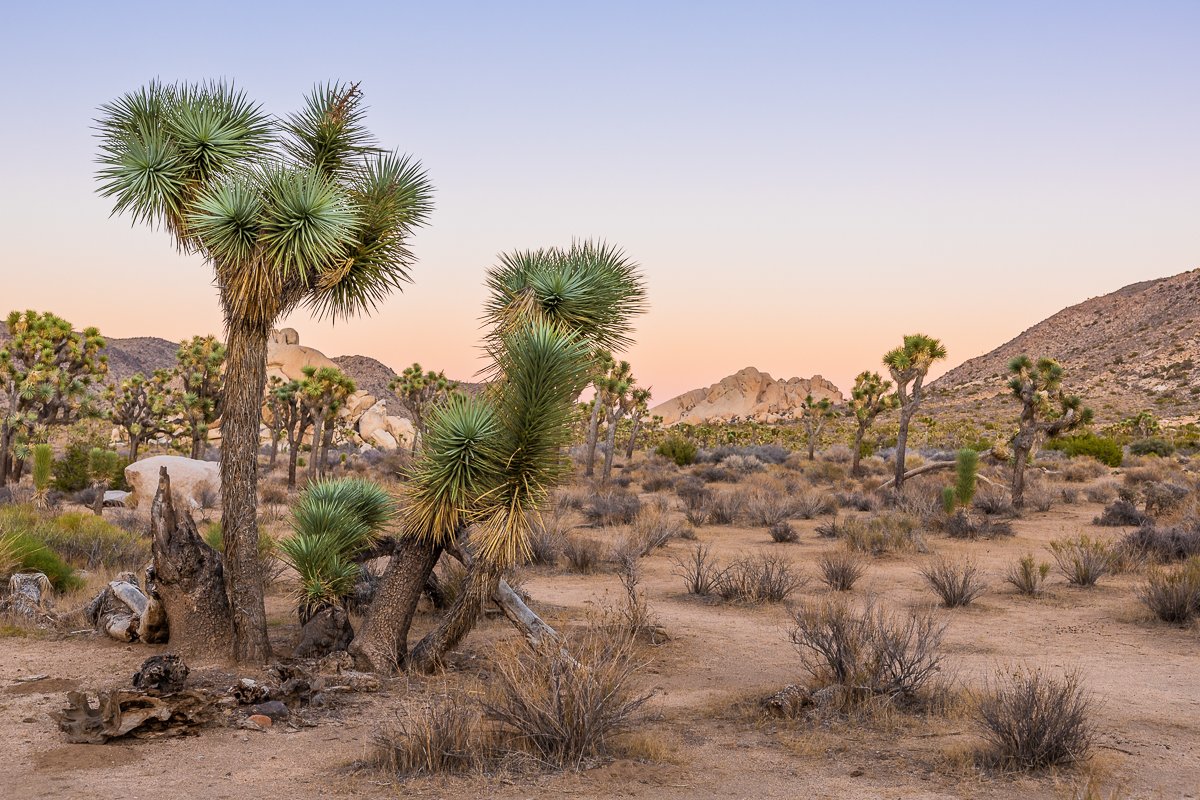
262 720
274 709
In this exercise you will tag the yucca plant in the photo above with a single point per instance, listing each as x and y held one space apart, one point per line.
300 210
43 461
489 461
332 522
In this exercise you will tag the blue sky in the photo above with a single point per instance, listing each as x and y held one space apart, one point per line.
803 183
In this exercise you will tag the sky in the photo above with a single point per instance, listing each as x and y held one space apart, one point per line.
802 183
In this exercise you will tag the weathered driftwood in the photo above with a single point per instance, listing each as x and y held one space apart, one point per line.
935 466
123 612
190 578
533 627
131 712
29 596
162 674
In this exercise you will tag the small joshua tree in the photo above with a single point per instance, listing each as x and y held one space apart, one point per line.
1046 412
43 459
140 407
618 391
641 410
418 390
813 416
199 364
292 417
869 398
909 364
323 391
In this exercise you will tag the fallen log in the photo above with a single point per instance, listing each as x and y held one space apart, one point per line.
935 466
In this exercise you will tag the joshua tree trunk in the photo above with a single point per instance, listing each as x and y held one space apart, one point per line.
274 446
480 584
6 434
637 424
135 443
610 444
812 443
326 441
593 434
1022 447
314 455
856 456
245 379
197 442
189 579
382 641
901 445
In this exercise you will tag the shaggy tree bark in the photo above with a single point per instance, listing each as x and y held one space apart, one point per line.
856 456
593 435
245 380
382 642
189 578
480 584
637 426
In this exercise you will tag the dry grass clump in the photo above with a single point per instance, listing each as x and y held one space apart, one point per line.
759 579
715 473
1121 513
1082 559
841 569
1069 495
964 525
1162 543
658 480
1039 498
1103 492
957 583
768 506
782 532
444 736
654 528
564 701
725 507
856 501
887 532
1027 575
812 504
1082 469
869 654
583 554
612 507
994 501
1033 721
1173 595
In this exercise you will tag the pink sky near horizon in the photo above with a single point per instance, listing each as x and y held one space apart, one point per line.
802 184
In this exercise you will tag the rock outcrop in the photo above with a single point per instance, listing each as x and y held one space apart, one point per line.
746 395
189 477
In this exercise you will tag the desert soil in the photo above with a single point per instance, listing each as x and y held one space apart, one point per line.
1145 674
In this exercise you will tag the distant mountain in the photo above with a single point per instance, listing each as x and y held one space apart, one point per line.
746 394
142 354
369 375
1135 349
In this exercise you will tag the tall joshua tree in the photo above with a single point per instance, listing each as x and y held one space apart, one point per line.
909 364
323 391
304 210
1046 412
46 374
641 410
814 414
418 390
199 362
617 390
869 398
140 406
489 461
603 365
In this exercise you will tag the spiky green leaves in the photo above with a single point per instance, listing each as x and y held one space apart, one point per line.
329 133
1039 388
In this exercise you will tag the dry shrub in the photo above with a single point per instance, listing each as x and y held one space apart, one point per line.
868 654
812 504
743 464
654 528
563 702
1027 575
1173 595
957 583
1082 560
887 532
546 537
444 736
715 473
1032 721
768 506
1069 495
571 497
1161 544
840 570
583 554
856 500
1039 499
634 615
614 507
782 532
658 480
838 454
994 501
725 507
700 572
1161 497
759 579
1082 469
1101 493
1121 513
273 493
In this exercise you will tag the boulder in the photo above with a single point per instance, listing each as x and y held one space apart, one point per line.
188 478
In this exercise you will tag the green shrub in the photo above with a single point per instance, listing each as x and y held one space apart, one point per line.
83 540
1105 450
71 472
1152 446
32 555
680 450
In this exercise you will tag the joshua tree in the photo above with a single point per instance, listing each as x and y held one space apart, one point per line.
140 406
199 362
46 373
303 210
418 391
489 461
868 399
273 415
617 390
813 416
1046 412
641 410
291 415
603 367
909 364
323 391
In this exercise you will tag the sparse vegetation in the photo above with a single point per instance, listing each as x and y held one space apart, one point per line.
1082 560
957 583
1173 594
1028 575
840 570
1033 721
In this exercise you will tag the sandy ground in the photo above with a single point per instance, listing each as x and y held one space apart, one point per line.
1145 674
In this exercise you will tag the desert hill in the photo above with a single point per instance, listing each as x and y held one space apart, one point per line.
1135 349
746 394
369 374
